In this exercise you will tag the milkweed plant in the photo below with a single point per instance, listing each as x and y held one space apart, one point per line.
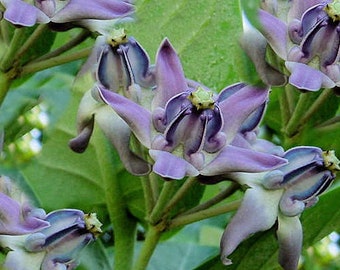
168 134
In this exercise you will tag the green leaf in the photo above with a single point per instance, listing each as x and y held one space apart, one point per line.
94 256
260 251
205 34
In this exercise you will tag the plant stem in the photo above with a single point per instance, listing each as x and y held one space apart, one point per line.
158 210
148 194
67 46
55 61
15 44
215 200
149 245
294 123
182 220
124 225
287 104
5 83
30 41
181 192
326 93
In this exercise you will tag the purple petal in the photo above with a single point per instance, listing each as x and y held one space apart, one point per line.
138 118
170 78
239 106
235 159
168 165
275 31
255 46
307 78
289 235
80 143
118 132
298 7
16 220
75 10
20 13
258 212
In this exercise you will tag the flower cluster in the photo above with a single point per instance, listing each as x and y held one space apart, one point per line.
39 241
281 195
176 127
299 40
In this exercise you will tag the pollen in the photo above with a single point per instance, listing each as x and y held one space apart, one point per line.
202 99
117 37
333 10
93 224
331 162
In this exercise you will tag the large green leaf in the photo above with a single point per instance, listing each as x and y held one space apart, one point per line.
260 251
204 33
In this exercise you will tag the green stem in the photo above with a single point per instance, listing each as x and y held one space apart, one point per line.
182 220
67 46
30 41
294 123
330 122
5 83
149 245
215 200
55 61
8 60
148 194
287 104
181 192
322 98
158 210
124 225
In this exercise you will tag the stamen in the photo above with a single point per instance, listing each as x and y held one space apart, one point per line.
202 99
331 162
117 37
333 10
93 224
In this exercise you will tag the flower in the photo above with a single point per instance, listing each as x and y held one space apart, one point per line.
311 62
19 12
281 195
17 216
55 247
122 66
187 127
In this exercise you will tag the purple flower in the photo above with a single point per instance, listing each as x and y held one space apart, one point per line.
187 127
311 62
18 217
56 247
122 66
282 195
21 13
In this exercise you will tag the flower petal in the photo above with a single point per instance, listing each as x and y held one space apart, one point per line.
238 107
168 165
275 31
118 132
307 78
170 77
138 118
258 212
17 219
235 159
97 9
20 13
289 235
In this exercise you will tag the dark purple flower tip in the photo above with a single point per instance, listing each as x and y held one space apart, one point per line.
80 143
122 63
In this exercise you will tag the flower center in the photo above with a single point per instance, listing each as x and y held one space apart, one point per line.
202 99
331 162
117 37
333 10
93 224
